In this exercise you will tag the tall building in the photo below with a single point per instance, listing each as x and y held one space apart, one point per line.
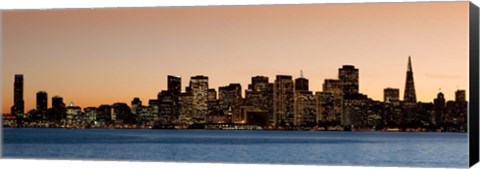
18 108
199 88
259 95
283 100
166 108
174 84
42 104
439 109
230 99
335 88
409 95
305 109
301 83
348 76
59 110
325 107
391 95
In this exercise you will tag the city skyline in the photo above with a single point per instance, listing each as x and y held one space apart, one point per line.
89 75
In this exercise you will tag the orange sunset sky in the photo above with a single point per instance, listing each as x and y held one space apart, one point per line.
102 56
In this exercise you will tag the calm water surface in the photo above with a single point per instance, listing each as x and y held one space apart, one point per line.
271 147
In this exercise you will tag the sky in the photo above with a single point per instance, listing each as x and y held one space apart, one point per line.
102 56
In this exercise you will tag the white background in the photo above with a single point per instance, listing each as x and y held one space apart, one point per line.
48 4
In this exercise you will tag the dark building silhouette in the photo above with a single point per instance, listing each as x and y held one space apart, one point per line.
18 108
59 110
348 76
283 99
259 96
42 105
391 95
230 99
301 83
460 96
104 115
439 104
174 84
409 95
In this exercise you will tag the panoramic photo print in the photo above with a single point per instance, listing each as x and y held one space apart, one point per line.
369 84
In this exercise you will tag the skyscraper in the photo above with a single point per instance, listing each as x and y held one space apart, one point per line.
409 95
58 108
283 100
174 84
199 88
334 87
439 104
230 99
348 76
260 95
301 83
18 108
42 104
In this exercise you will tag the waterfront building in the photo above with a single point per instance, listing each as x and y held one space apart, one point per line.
104 115
305 109
42 105
90 116
355 110
439 103
18 108
334 87
175 88
153 110
73 113
59 111
166 108
199 89
123 114
259 95
283 101
230 99
301 83
186 109
213 102
325 108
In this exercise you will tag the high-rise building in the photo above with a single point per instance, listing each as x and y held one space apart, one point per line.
301 83
325 107
174 84
199 89
259 95
305 109
42 104
18 108
348 76
409 95
230 99
439 109
166 108
59 111
283 100
136 105
391 95
334 87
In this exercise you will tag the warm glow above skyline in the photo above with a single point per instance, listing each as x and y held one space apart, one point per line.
103 56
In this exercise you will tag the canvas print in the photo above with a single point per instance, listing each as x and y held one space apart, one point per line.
368 84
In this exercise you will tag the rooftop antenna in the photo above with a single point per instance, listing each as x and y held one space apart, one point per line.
301 73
